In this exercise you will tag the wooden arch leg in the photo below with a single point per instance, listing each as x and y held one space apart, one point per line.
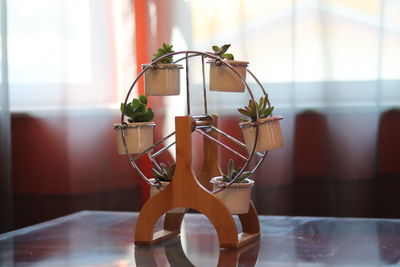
173 221
185 191
250 225
224 224
218 214
153 209
200 200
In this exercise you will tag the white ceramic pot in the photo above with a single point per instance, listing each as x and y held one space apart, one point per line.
154 191
269 134
138 137
222 78
236 197
162 79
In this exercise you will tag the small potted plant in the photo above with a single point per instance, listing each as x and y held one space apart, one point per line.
139 132
164 177
222 78
269 129
163 77
237 196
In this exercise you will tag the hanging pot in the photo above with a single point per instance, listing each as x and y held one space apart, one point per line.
138 137
162 79
236 197
269 134
154 191
222 78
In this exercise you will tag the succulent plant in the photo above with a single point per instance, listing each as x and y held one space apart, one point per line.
263 107
165 49
136 110
231 173
166 172
220 52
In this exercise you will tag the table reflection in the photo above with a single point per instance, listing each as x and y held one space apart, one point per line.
171 253
330 241
106 239
389 241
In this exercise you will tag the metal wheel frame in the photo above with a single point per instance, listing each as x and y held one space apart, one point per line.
217 61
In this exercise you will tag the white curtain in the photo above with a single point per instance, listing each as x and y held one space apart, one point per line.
339 58
5 131
69 53
70 63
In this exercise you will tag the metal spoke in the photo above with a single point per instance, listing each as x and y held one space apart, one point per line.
228 136
162 150
140 173
204 85
150 148
154 162
187 85
221 144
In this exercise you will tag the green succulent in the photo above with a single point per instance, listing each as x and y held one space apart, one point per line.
263 107
166 172
165 49
221 52
231 173
136 110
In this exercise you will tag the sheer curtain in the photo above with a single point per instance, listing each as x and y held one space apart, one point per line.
5 132
69 54
70 63
340 58
331 67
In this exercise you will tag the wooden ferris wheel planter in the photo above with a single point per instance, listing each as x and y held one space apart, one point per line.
177 195
185 190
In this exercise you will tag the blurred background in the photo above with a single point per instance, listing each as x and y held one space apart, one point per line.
331 68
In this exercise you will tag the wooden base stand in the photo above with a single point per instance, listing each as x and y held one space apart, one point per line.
185 191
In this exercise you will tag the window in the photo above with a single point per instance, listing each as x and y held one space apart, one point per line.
69 53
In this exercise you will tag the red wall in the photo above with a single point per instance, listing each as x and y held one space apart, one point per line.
67 155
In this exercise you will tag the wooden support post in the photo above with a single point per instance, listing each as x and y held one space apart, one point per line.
210 166
185 191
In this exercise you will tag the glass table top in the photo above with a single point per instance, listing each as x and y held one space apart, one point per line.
97 238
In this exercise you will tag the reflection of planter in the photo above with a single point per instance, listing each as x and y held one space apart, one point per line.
222 78
162 79
236 197
269 134
154 191
138 137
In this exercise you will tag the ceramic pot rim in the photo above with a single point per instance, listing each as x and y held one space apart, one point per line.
135 125
245 124
232 62
218 181
163 66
